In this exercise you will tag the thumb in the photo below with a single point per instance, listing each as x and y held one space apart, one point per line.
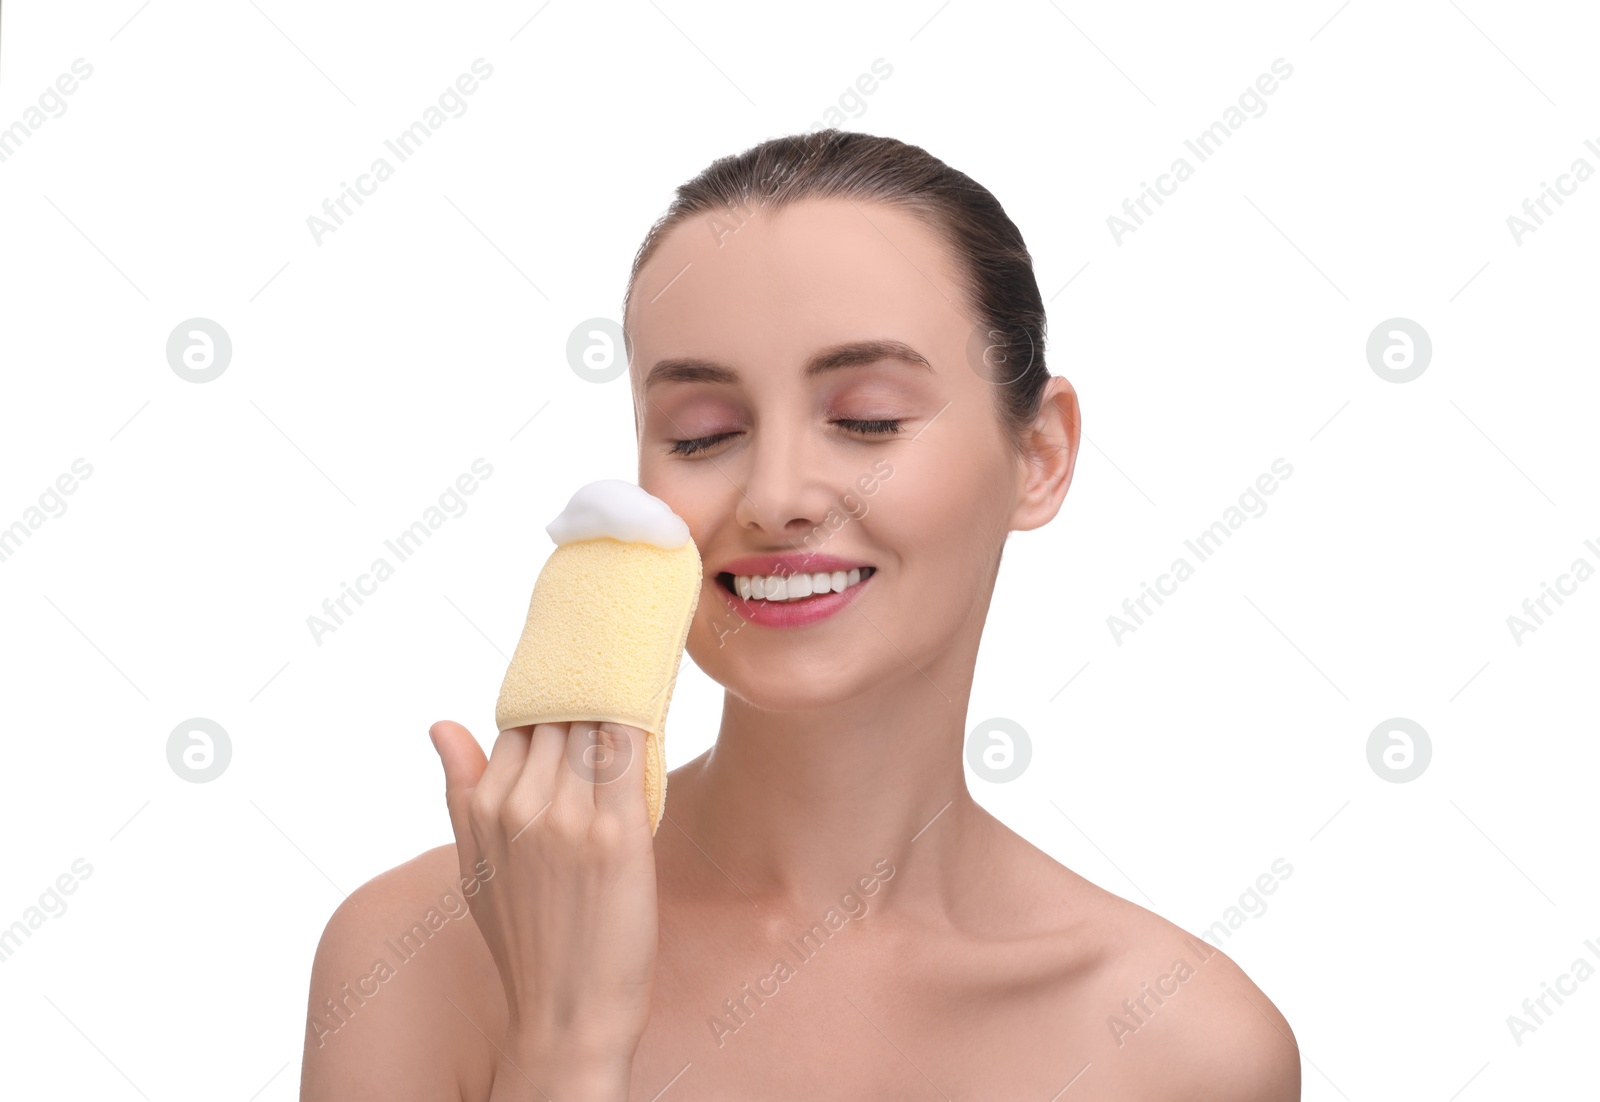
464 762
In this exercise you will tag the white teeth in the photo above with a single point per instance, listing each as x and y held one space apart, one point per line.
794 587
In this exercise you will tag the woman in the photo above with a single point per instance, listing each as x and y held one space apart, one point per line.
835 344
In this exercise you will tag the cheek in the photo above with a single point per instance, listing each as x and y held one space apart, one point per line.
697 491
944 517
951 494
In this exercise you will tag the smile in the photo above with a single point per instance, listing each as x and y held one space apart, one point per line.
793 587
793 599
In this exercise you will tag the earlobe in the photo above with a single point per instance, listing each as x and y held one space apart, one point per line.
1050 453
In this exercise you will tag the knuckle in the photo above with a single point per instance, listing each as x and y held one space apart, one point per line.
566 824
607 833
515 814
481 810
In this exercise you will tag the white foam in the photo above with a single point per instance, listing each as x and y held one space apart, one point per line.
621 510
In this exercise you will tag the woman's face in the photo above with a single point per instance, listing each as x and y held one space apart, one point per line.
808 403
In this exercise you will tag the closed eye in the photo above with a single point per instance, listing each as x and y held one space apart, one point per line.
871 428
864 428
689 447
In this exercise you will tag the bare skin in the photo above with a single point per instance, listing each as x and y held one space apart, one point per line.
949 957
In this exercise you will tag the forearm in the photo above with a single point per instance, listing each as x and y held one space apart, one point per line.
530 1072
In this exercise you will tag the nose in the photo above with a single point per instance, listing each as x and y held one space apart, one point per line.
785 492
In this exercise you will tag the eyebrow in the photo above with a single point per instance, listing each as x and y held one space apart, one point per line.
836 358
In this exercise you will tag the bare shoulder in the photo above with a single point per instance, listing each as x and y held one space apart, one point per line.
1163 1013
396 1001
1213 1033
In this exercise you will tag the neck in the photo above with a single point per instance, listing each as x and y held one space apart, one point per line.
796 807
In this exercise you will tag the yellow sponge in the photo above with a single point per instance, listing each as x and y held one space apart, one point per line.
607 623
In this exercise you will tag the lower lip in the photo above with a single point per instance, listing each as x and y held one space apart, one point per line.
791 614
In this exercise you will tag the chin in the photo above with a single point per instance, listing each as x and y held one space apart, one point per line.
771 698
777 675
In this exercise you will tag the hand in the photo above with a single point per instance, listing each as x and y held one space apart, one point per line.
568 908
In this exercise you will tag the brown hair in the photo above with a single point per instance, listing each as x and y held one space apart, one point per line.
1001 292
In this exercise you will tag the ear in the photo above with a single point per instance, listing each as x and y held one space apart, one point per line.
1050 451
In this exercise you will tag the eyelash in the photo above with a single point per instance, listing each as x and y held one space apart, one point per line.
866 428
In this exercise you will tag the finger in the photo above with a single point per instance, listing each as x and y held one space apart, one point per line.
464 764
611 756
549 744
535 788
573 779
619 786
505 763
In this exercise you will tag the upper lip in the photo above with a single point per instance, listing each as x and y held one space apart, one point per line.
794 562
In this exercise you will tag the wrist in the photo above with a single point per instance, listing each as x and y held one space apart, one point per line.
564 1069
557 1079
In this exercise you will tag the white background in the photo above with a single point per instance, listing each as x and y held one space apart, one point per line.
370 370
